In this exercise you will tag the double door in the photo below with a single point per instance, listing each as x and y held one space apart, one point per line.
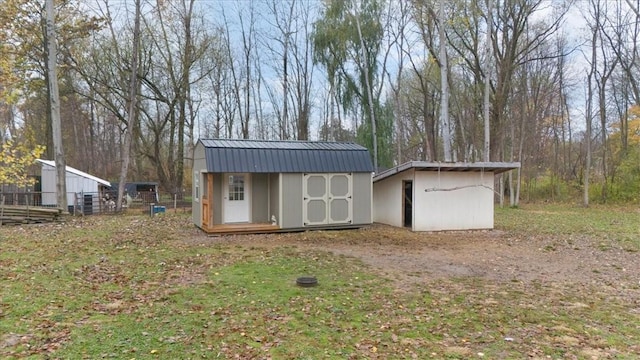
327 199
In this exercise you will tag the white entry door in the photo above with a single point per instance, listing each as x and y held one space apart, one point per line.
236 198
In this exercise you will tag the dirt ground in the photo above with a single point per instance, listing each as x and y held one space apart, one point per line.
412 258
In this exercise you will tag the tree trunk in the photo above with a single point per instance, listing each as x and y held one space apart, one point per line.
487 85
54 96
131 108
372 113
592 70
444 83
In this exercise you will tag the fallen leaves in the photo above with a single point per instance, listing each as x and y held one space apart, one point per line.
150 286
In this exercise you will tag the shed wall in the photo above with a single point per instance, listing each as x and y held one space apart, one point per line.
387 198
259 198
452 200
291 201
199 168
76 185
48 182
274 196
362 200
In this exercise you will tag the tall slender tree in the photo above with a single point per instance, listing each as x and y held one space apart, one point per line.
487 83
132 107
595 10
54 103
444 82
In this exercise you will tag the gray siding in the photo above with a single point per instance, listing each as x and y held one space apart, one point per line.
199 163
291 201
260 198
362 202
274 196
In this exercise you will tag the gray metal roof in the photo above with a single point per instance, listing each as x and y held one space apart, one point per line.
493 167
257 156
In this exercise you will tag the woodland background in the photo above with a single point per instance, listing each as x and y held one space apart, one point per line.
552 84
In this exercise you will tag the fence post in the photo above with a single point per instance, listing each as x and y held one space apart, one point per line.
2 211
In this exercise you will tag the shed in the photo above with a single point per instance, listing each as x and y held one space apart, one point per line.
260 186
79 184
428 196
145 191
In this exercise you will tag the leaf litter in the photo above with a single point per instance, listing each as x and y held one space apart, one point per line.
456 269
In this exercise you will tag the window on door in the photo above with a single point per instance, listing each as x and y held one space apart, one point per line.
236 187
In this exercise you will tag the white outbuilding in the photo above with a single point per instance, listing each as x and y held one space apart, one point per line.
83 190
428 196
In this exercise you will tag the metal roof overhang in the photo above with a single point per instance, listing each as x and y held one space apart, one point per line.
75 171
279 144
494 167
287 161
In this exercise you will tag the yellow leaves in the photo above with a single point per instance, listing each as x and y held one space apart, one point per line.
15 160
634 112
633 128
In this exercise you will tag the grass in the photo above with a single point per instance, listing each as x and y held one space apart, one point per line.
611 224
136 287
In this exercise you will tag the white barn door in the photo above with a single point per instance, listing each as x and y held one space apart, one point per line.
327 199
314 188
339 193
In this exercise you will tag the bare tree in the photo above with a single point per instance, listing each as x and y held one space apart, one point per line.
622 35
180 64
283 19
604 72
241 66
400 17
221 88
595 13
444 83
131 107
428 23
425 21
52 56
487 83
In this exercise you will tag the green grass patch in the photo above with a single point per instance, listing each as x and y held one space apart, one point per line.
612 225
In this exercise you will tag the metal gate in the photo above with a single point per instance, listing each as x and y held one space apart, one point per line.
327 199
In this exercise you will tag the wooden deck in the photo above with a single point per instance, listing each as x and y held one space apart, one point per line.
227 229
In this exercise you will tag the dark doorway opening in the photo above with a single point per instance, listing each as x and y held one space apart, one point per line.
407 203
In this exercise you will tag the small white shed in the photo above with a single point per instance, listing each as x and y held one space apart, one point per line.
78 184
426 196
